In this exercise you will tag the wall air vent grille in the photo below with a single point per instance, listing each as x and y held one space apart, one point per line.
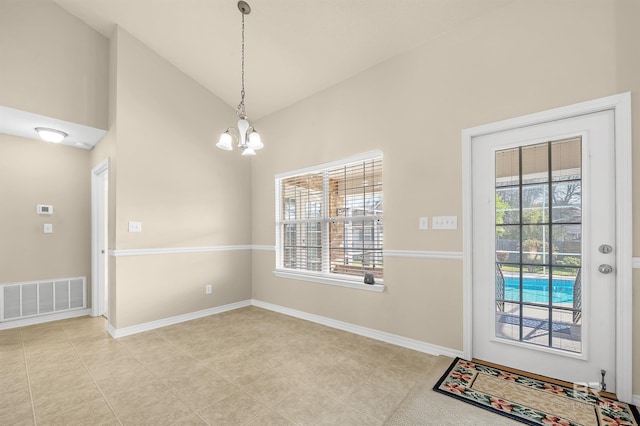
35 298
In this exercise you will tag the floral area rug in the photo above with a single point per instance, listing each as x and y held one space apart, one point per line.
532 399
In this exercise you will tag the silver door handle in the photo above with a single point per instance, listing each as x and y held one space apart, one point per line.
102 251
605 269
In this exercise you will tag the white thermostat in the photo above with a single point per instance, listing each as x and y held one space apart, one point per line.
44 209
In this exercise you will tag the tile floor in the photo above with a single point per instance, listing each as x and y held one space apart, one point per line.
244 367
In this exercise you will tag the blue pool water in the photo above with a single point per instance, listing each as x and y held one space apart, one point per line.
536 290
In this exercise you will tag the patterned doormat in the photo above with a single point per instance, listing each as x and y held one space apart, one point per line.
532 399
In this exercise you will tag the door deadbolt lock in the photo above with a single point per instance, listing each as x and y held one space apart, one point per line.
605 249
605 269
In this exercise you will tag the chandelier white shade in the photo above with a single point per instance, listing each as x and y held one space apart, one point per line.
50 135
244 134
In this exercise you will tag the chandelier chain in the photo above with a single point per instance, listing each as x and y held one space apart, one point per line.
241 109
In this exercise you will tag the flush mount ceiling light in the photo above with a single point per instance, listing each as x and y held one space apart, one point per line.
50 135
246 135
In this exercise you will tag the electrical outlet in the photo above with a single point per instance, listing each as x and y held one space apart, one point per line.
423 223
135 226
207 289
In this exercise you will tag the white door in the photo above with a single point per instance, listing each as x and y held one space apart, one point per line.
100 238
543 286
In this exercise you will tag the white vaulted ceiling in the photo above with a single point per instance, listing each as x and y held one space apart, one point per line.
294 48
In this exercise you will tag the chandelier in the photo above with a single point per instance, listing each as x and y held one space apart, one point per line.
244 133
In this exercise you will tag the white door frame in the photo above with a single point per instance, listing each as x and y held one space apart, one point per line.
97 285
621 107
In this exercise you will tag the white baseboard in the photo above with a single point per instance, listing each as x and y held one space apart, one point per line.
394 339
152 325
352 328
44 318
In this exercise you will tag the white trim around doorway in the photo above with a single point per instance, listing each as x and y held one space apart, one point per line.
621 106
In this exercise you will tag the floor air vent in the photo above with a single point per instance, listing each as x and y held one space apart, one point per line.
29 299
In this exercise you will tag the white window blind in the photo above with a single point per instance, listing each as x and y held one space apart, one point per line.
330 219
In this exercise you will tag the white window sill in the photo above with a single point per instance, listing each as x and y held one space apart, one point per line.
323 279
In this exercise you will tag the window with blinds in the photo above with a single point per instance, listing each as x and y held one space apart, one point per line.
329 219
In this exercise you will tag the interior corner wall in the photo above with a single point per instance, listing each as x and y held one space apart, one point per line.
628 68
413 108
52 63
186 193
34 172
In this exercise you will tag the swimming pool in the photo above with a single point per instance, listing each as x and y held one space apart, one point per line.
536 290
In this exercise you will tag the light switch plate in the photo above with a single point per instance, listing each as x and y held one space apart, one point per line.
135 226
423 223
445 222
48 228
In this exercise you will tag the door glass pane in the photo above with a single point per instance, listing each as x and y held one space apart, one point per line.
508 243
566 159
535 206
567 202
508 321
567 330
507 205
535 163
508 167
535 244
539 244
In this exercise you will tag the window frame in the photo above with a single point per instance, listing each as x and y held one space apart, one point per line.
323 276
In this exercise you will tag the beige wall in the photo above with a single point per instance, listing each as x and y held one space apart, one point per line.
185 192
32 173
52 64
628 66
523 58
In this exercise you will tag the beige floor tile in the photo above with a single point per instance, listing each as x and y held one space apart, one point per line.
95 412
272 387
43 336
122 364
11 354
303 368
339 382
76 327
199 391
394 379
10 336
306 406
190 420
248 366
42 371
373 401
54 383
91 346
241 372
139 344
138 393
165 411
160 363
270 418
359 367
61 400
13 378
237 409
13 397
417 362
44 351
343 415
17 414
